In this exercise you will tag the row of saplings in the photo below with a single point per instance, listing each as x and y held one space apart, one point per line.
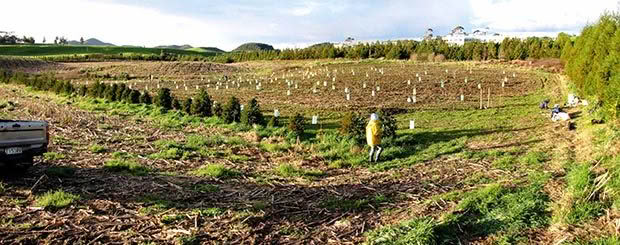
352 124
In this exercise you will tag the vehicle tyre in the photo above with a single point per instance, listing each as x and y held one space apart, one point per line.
23 164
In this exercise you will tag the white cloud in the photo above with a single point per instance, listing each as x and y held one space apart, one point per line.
537 15
119 24
228 23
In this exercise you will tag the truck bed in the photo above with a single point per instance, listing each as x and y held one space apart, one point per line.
22 139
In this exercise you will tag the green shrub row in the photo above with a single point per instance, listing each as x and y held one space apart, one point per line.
202 105
593 61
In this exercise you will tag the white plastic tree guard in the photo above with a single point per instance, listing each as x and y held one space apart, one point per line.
412 124
315 119
276 113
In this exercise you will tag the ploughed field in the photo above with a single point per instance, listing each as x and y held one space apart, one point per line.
324 85
119 173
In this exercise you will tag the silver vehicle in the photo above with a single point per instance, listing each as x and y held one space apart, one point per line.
20 141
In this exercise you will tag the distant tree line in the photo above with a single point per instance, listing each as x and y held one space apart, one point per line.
428 50
593 63
8 38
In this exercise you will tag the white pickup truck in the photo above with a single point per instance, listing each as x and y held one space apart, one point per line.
20 141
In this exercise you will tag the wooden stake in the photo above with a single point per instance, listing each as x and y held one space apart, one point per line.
489 99
480 99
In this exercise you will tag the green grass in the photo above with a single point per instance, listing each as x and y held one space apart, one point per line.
216 171
188 240
95 148
122 155
63 172
198 141
172 218
56 200
127 167
493 210
206 188
496 209
582 203
53 156
209 212
172 119
611 240
52 50
415 231
347 205
506 162
534 158
172 150
289 170
154 205
275 148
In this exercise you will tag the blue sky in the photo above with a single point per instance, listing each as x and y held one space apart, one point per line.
227 24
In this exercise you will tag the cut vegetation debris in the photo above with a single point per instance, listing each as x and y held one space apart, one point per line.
187 164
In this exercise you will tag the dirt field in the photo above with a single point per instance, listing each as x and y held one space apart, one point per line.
322 84
269 190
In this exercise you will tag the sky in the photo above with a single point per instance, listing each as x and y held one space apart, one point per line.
286 24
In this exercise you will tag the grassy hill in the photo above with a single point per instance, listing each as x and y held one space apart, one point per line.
91 42
186 46
206 50
253 47
57 50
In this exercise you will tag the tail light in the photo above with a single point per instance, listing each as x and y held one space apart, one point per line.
47 133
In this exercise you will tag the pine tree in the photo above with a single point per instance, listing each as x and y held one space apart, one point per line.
232 112
202 104
252 114
296 124
176 104
110 93
145 98
164 98
388 123
120 92
134 96
187 105
218 110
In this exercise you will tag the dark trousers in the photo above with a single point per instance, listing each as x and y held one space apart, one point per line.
377 151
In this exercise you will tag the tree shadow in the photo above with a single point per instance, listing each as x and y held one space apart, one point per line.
413 143
264 208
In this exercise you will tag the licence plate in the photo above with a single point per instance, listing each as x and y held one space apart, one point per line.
13 150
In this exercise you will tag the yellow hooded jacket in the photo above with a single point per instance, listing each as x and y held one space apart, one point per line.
373 133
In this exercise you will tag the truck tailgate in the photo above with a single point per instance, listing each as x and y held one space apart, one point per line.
16 133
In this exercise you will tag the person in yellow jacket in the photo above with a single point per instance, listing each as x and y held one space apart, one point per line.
373 137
